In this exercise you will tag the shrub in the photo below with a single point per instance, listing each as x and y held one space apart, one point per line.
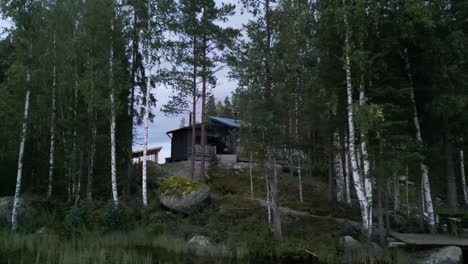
115 217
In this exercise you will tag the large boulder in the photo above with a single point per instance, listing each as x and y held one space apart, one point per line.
445 255
350 244
200 245
183 195
25 210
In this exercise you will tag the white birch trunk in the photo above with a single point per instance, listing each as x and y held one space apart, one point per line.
301 198
429 208
14 214
92 147
463 176
251 179
273 183
92 155
423 200
407 192
365 158
115 196
268 197
52 126
360 191
296 110
348 173
339 176
144 188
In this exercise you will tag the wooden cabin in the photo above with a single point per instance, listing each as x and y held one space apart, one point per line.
221 139
152 153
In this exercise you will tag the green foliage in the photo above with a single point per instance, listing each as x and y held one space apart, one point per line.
96 216
115 218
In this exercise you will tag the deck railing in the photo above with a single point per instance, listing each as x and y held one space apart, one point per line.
210 152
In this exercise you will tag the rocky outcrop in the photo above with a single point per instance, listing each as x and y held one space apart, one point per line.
350 244
25 210
445 255
183 195
197 242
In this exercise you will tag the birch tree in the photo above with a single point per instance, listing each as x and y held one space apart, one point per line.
366 207
144 188
19 175
115 196
52 121
461 156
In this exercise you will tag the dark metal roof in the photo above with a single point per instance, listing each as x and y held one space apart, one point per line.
225 121
220 120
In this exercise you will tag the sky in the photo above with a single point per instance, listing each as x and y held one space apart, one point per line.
162 123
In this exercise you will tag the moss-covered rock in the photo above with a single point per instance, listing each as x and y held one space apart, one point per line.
183 195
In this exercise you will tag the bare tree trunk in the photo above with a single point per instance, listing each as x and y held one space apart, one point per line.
92 153
301 198
348 172
273 186
92 145
451 180
299 154
380 213
52 125
462 173
144 188
387 207
251 179
203 114
424 169
365 157
340 181
14 214
75 123
115 196
79 178
407 192
360 190
194 109
268 196
396 194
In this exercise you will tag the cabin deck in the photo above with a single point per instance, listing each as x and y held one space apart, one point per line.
430 239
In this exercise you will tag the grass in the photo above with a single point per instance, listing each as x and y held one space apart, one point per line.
236 226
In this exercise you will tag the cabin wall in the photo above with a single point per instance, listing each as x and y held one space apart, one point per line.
216 135
179 146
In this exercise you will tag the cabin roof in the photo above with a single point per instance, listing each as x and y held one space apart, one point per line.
226 121
232 123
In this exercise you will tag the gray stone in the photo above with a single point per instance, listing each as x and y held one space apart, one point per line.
199 241
350 243
445 255
183 195
25 210
199 245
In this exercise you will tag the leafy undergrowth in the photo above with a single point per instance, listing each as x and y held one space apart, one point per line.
225 181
